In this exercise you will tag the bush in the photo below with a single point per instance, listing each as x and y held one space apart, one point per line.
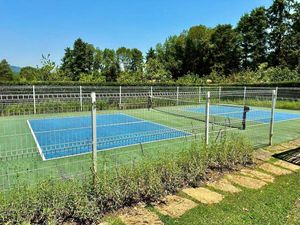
85 203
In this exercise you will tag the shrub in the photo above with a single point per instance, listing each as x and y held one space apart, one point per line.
85 203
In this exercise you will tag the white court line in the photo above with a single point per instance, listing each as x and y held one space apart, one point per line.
36 141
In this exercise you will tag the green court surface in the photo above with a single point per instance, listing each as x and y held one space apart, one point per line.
21 163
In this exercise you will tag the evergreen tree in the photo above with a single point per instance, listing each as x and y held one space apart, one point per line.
6 73
253 31
78 60
280 23
150 54
225 50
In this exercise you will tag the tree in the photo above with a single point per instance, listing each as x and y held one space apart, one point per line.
78 60
280 23
124 58
150 54
171 54
293 55
155 72
110 65
253 30
98 60
29 73
136 60
197 51
6 73
225 50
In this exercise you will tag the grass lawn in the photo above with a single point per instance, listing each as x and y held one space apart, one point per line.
273 204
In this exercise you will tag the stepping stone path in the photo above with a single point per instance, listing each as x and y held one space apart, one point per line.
139 215
287 165
276 148
224 185
204 195
274 169
257 174
175 206
246 182
262 155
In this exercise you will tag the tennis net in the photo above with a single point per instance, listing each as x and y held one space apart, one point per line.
225 115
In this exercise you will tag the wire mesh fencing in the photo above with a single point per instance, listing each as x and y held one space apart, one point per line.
49 132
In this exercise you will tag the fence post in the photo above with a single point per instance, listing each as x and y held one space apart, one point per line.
220 89
245 91
120 96
274 97
199 94
33 95
94 135
151 91
80 97
207 117
177 95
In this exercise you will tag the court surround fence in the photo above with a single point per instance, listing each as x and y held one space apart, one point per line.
55 132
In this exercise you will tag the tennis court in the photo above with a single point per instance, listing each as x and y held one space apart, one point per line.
49 138
68 136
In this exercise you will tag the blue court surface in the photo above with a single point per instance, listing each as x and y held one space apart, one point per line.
235 112
68 136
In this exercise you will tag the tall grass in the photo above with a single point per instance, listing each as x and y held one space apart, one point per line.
54 202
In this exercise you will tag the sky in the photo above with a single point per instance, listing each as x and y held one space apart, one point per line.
30 28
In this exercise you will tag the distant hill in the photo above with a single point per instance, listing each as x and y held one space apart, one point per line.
15 69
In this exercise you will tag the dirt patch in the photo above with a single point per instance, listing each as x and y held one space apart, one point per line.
246 182
274 169
257 174
224 185
204 195
175 206
139 215
287 165
262 155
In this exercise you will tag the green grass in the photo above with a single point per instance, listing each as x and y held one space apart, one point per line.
274 204
21 163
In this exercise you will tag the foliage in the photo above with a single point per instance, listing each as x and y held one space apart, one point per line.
6 73
253 31
78 60
155 72
29 73
85 203
276 74
190 79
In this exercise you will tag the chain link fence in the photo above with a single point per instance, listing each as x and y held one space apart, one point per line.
50 133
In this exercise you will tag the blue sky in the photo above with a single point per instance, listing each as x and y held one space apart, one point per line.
30 28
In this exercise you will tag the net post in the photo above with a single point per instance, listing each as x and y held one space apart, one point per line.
274 97
120 97
94 135
245 92
177 95
199 94
34 102
80 97
220 89
207 117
